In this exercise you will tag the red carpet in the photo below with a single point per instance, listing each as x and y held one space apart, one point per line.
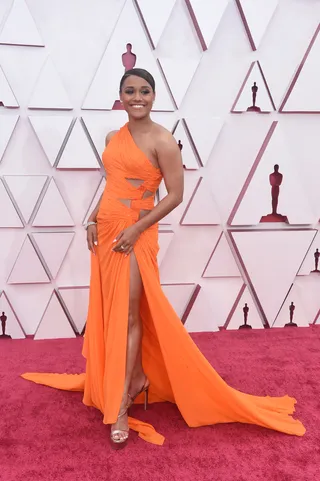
50 435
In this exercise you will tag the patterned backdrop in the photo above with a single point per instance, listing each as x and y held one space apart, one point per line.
237 84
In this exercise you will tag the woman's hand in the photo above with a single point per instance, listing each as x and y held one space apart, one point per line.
126 239
92 237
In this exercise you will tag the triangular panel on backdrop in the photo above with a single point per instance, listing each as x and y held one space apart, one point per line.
206 17
179 296
200 317
49 92
8 214
26 190
271 258
204 134
179 73
222 262
74 272
11 325
28 268
53 247
292 310
78 153
104 89
259 203
7 125
201 209
256 16
244 313
7 97
54 323
76 300
53 211
311 263
189 156
303 94
166 119
155 24
165 238
254 94
51 132
98 126
19 27
95 199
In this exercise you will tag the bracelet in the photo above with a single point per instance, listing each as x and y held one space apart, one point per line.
89 223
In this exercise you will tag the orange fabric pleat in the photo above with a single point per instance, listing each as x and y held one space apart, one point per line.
177 370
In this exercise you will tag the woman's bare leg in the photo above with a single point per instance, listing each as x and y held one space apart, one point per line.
134 341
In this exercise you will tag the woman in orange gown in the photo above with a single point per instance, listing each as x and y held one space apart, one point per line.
135 345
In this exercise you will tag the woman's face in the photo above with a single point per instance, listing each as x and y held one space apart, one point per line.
137 97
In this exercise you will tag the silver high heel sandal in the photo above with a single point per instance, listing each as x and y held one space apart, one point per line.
145 389
117 443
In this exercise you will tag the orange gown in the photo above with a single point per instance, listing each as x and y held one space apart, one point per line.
177 370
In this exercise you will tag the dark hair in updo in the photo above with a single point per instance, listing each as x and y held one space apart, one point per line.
139 72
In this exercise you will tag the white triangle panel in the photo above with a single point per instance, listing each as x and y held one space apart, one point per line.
237 317
28 268
165 238
8 214
206 16
309 263
53 247
29 301
166 119
307 289
202 209
244 99
26 190
76 301
78 153
51 131
189 158
52 211
204 134
201 317
74 272
305 95
7 96
104 89
179 74
19 28
54 323
257 15
95 199
272 258
7 126
300 317
293 201
179 296
49 92
12 325
155 24
222 262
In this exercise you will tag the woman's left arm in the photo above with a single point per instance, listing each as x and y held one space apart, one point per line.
170 162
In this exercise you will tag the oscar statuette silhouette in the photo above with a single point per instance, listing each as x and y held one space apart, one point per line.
316 261
275 180
3 319
1 103
245 316
128 61
291 310
254 90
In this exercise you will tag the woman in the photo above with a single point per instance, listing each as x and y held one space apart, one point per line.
134 342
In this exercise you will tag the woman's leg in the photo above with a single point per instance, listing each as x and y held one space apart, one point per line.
134 341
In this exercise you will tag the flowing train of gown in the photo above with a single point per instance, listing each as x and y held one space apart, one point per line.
177 370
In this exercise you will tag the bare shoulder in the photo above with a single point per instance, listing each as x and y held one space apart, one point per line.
164 139
110 135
